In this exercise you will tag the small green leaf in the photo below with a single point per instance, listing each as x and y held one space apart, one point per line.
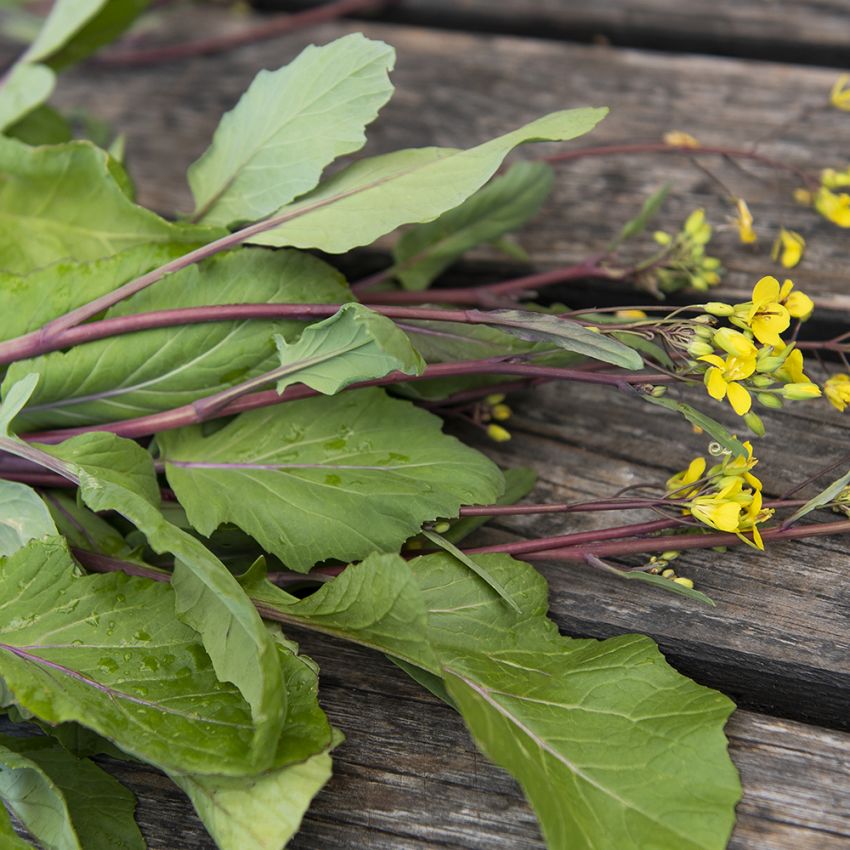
696 417
503 205
294 476
67 803
374 196
15 397
355 344
25 88
655 580
42 126
289 124
564 333
9 839
639 223
827 495
23 517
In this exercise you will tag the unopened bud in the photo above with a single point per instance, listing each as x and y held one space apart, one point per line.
699 348
754 423
718 308
769 400
501 412
657 392
685 582
497 433
801 391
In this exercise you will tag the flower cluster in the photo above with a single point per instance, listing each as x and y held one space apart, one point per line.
683 261
751 358
828 199
726 497
837 391
493 411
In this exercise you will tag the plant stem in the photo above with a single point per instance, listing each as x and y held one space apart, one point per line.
272 28
662 147
190 414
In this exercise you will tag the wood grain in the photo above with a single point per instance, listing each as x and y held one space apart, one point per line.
455 88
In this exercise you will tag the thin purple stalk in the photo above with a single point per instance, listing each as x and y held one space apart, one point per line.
204 409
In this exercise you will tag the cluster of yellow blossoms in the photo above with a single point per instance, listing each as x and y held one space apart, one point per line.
727 497
684 262
738 368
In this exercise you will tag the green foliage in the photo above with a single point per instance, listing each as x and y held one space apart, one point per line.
23 517
500 207
26 87
273 146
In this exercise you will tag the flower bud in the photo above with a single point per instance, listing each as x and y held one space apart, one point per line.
718 308
501 412
761 381
685 582
703 331
754 423
734 343
801 391
497 433
442 527
671 555
769 400
699 348
657 392
668 574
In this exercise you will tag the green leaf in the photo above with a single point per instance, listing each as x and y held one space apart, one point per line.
375 196
257 812
479 570
42 126
117 475
9 838
564 333
592 730
827 495
67 803
355 344
141 373
107 651
83 528
25 88
376 603
695 417
295 476
23 517
504 205
289 124
639 223
15 397
74 29
666 584
62 202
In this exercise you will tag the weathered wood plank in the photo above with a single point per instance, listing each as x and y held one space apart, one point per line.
768 29
408 778
459 88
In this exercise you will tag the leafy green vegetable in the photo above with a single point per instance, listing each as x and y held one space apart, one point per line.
25 88
355 344
289 124
23 517
65 802
293 476
508 202
374 196
89 215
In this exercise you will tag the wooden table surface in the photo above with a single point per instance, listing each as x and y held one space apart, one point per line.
777 642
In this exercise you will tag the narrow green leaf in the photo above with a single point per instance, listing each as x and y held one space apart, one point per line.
639 223
827 495
61 202
65 802
294 476
142 373
15 396
696 417
289 124
117 475
375 196
9 839
564 333
259 812
503 205
107 651
655 580
355 344
23 517
83 528
479 570
25 88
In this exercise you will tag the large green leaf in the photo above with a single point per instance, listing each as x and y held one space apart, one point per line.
65 802
25 88
9 838
23 517
289 124
117 475
107 651
74 29
62 202
258 812
321 478
374 196
355 344
83 528
502 206
155 370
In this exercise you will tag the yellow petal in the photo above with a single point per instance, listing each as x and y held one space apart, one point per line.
734 343
769 323
792 249
720 515
739 398
799 305
745 222
714 359
839 97
715 384
767 289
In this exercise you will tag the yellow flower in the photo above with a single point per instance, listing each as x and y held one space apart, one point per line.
744 222
839 96
791 371
719 510
721 380
834 207
788 248
678 139
803 196
735 343
833 179
798 304
680 481
767 318
837 390
753 515
738 467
